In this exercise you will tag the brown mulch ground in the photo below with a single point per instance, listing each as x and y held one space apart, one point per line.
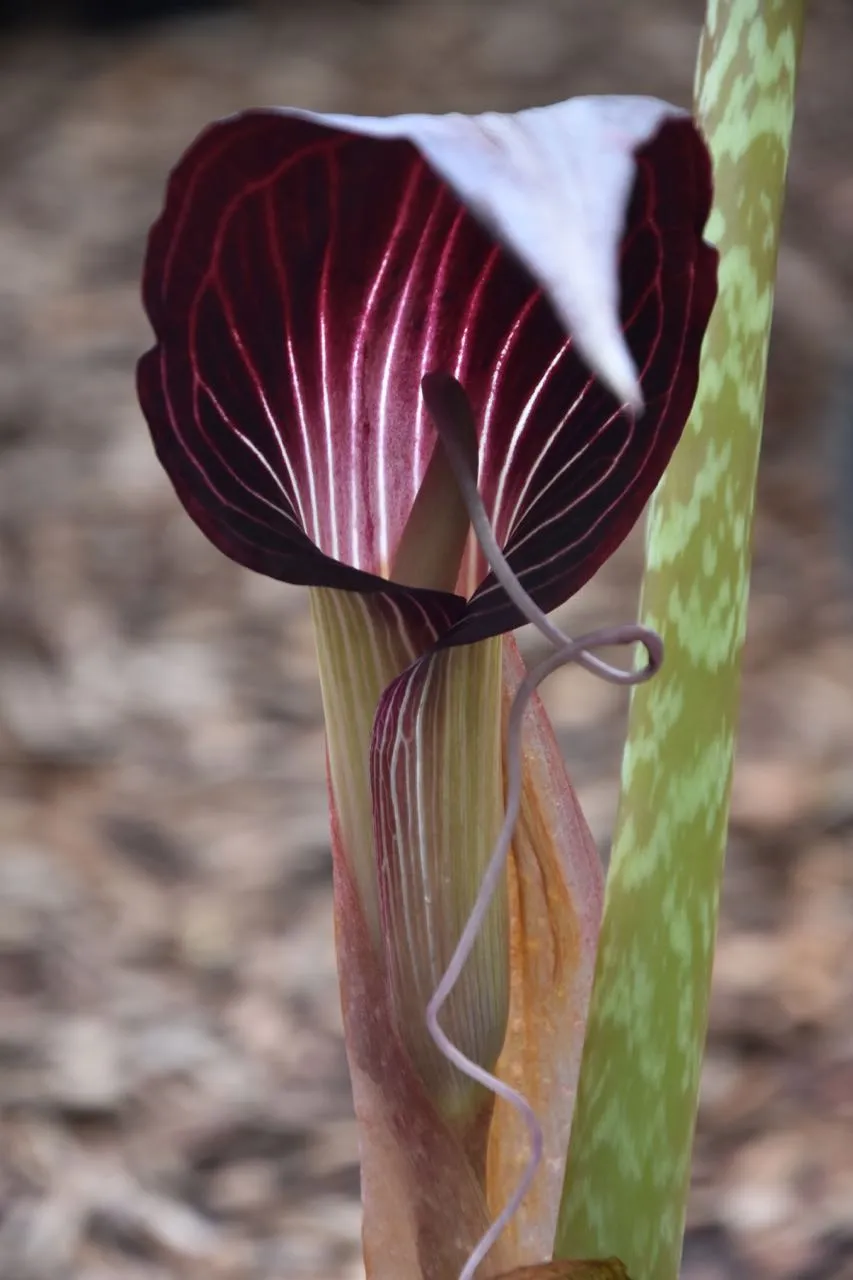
173 1094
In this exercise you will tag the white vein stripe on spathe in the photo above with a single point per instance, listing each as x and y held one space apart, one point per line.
202 471
288 513
499 370
382 422
256 382
323 321
472 310
519 429
209 282
296 383
433 323
468 573
356 384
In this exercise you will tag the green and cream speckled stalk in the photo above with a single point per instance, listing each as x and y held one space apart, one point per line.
628 1170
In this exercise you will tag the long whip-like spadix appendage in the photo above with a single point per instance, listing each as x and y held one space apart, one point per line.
452 417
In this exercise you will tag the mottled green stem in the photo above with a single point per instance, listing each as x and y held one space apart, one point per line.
628 1170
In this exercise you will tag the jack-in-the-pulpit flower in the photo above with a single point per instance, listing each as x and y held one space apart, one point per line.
308 275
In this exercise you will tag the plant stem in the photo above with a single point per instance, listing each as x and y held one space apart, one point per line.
628 1171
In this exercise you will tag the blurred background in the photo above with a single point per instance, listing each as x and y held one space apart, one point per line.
174 1101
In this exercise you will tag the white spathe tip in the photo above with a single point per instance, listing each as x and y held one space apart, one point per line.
552 184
